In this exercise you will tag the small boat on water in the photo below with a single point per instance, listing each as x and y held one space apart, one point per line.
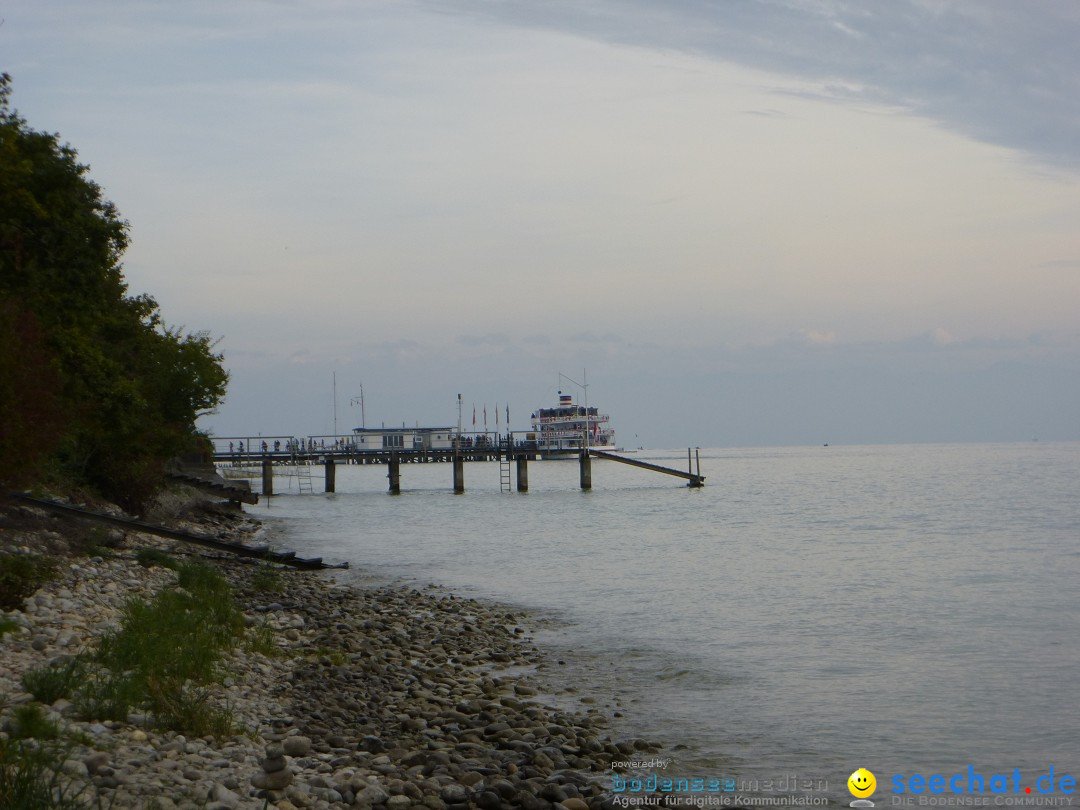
565 429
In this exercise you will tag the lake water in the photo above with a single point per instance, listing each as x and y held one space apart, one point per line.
809 611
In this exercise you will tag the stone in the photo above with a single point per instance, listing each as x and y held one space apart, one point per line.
95 761
273 764
454 794
553 793
371 795
471 779
73 767
574 803
372 744
222 795
278 780
296 746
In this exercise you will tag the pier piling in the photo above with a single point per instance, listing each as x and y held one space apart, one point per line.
459 474
393 472
586 470
331 476
522 474
267 476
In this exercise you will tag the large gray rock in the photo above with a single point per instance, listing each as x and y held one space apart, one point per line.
278 780
297 746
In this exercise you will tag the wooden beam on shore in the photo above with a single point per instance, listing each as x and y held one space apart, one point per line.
694 480
257 552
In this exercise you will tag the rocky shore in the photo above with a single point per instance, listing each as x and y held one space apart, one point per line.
384 698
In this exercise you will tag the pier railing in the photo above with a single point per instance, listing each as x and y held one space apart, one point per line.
239 454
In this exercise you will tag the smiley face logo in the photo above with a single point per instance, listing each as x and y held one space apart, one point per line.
861 783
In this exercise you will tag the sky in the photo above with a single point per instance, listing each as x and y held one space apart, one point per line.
741 223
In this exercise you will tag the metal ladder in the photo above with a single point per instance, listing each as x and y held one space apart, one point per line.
303 477
301 468
504 470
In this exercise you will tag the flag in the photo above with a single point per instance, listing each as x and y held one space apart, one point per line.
485 417
508 414
496 414
474 414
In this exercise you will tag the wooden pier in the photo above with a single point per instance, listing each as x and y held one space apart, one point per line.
508 453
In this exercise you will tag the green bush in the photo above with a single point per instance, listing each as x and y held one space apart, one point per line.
29 721
147 557
21 575
59 680
7 625
267 579
31 778
161 653
189 710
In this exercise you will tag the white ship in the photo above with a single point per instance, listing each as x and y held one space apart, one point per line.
567 428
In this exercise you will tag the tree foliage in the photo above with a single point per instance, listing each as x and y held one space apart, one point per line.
95 389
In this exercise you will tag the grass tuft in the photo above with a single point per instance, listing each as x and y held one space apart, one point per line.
261 639
21 575
29 721
190 710
8 625
147 557
55 681
32 778
162 654
267 579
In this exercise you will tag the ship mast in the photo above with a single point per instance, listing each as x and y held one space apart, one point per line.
584 386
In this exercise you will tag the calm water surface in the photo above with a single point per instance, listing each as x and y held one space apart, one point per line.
810 610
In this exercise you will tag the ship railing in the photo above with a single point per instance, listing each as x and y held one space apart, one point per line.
592 420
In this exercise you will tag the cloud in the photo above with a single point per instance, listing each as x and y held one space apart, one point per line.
942 337
492 339
767 113
1002 72
592 337
1060 264
816 338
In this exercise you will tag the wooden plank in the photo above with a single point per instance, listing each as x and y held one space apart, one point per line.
633 462
258 552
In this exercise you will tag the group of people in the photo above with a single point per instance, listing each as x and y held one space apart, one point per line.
294 446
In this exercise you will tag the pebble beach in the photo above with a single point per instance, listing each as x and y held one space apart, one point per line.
388 697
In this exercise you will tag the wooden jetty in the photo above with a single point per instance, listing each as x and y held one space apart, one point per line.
504 450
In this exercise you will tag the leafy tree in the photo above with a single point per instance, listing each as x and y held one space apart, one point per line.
95 389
